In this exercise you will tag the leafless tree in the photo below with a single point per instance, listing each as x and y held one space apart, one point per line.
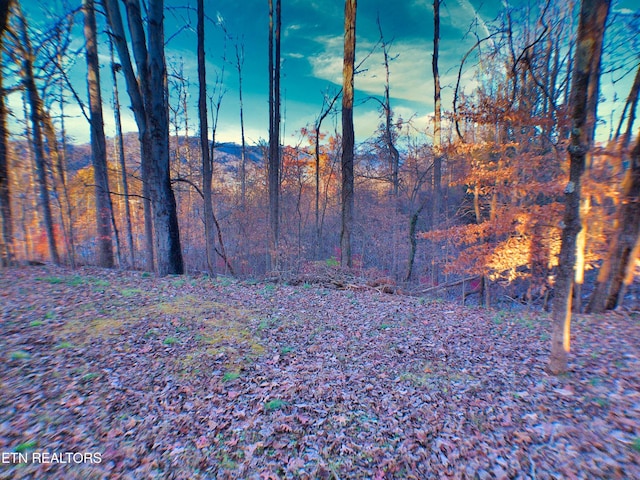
148 93
274 129
348 137
104 244
593 15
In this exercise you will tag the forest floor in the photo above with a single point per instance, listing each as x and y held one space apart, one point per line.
189 377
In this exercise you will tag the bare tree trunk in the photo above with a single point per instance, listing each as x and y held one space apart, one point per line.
593 15
58 174
348 137
6 238
604 295
630 107
164 205
243 151
207 167
274 131
413 245
35 103
318 223
615 271
104 245
62 169
148 93
593 95
121 159
437 119
148 223
394 155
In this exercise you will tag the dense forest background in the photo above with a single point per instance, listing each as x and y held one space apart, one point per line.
473 204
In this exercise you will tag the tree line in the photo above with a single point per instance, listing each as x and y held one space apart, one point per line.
506 193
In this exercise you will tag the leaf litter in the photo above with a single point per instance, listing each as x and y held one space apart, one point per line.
189 377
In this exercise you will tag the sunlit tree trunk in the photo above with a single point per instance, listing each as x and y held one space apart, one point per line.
35 104
437 117
164 202
593 15
6 239
617 268
104 243
593 94
348 137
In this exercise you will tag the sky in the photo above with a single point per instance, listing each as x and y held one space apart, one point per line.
312 43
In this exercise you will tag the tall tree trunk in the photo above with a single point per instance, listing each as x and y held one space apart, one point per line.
394 155
164 206
6 235
437 117
121 158
603 294
593 15
614 273
318 222
207 170
148 94
35 104
56 162
243 149
274 131
348 137
62 173
593 95
104 244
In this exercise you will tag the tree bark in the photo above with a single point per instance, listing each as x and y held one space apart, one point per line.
614 274
104 244
207 167
121 158
593 94
62 172
394 155
437 117
243 148
593 15
56 162
148 94
348 136
274 131
6 238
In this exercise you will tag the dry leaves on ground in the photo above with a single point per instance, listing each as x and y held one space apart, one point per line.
189 377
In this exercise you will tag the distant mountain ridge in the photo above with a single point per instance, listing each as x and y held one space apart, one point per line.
78 156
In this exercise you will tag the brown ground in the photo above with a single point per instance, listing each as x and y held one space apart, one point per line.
191 378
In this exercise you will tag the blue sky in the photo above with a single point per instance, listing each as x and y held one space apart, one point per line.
312 41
